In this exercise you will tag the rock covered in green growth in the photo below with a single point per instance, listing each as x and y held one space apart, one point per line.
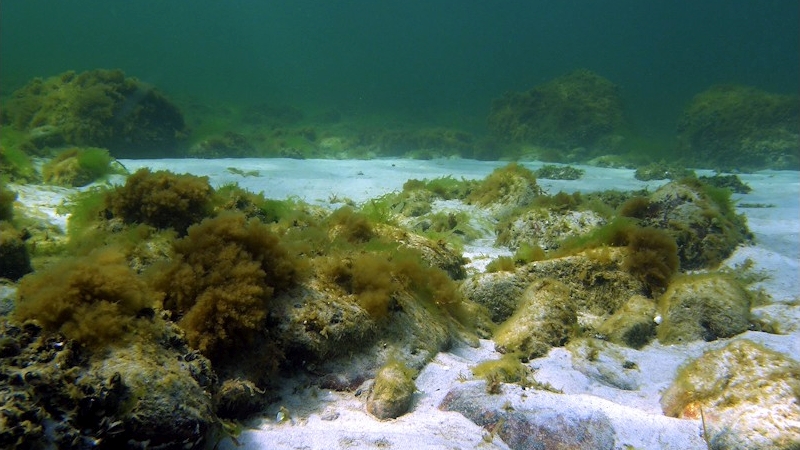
633 324
15 261
730 127
553 172
747 395
580 109
732 182
16 165
148 393
544 319
546 228
498 292
7 199
98 108
507 187
662 171
221 279
598 285
227 145
507 369
392 391
425 143
166 398
162 199
700 218
80 166
705 306
650 255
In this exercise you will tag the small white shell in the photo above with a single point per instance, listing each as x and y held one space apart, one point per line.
657 319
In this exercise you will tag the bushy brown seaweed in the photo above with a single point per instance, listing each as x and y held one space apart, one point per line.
162 199
94 300
221 279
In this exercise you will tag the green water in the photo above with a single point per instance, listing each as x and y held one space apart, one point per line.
436 61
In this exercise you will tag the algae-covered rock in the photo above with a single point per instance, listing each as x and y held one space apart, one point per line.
597 281
704 306
97 108
228 145
55 395
7 198
746 394
167 389
15 261
392 391
731 127
499 292
700 218
580 109
543 319
79 167
547 228
239 399
504 189
632 325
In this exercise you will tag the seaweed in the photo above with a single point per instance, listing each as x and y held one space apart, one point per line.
219 284
162 199
97 300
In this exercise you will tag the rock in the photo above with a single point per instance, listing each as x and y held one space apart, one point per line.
583 290
97 108
14 259
700 218
730 127
239 399
703 306
632 325
392 392
531 425
605 363
544 319
547 228
746 393
499 292
55 394
580 109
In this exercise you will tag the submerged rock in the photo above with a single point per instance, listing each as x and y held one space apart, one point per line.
730 127
580 109
746 394
699 217
633 324
146 394
531 424
392 391
14 258
543 320
97 108
552 298
705 306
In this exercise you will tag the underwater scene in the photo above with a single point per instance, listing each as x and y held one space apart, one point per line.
400 225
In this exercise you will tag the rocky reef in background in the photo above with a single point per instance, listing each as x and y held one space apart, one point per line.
580 110
578 117
97 108
730 127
